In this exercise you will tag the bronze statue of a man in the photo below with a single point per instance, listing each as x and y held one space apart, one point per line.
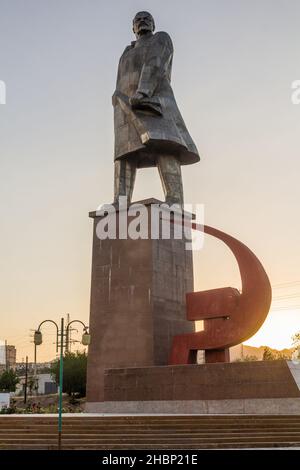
149 129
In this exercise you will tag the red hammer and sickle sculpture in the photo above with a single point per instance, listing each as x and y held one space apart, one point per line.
230 317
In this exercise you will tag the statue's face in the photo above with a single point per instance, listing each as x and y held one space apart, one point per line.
143 23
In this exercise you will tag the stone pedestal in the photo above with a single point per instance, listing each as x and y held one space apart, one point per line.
137 303
259 387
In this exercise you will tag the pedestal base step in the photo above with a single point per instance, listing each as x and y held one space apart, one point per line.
259 406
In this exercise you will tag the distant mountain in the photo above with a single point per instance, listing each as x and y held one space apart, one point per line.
242 350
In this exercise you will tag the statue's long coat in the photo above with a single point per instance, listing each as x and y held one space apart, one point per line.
145 67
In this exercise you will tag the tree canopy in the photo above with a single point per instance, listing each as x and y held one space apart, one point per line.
273 355
8 381
74 378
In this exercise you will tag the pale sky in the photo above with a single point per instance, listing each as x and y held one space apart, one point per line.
233 67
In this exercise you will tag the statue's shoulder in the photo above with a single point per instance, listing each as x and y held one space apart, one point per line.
163 37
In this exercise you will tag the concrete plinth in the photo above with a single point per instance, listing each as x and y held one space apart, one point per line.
137 303
236 380
247 406
243 387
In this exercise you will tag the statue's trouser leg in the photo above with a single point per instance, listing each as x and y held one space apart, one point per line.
125 171
170 175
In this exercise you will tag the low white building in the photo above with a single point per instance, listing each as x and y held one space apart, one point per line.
4 400
44 385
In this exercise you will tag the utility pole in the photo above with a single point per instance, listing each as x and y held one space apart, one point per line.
68 335
69 340
26 380
35 360
6 364
34 355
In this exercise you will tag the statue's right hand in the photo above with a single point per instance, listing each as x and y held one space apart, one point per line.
136 99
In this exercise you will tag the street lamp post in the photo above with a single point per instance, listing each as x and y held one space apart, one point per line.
38 339
61 380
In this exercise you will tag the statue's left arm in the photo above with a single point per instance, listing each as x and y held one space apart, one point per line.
156 65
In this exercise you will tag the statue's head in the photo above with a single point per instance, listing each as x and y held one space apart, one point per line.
143 23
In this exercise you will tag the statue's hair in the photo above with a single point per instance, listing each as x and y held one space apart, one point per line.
149 14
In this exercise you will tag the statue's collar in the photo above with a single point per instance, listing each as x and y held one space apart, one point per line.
141 39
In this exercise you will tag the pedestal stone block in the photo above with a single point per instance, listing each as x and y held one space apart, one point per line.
219 381
137 303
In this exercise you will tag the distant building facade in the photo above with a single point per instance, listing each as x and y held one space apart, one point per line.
8 357
11 357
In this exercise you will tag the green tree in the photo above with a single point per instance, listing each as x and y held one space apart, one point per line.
32 384
296 340
269 355
247 358
296 344
8 381
273 355
285 357
75 365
